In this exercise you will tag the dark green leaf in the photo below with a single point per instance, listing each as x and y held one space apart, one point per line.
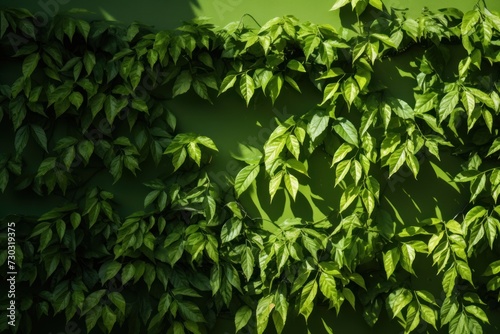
182 83
242 317
109 270
30 63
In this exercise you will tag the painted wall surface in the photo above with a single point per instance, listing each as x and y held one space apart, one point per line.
229 122
163 14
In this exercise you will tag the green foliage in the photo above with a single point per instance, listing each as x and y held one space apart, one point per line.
193 252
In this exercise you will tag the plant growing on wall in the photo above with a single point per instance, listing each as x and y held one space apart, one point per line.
88 100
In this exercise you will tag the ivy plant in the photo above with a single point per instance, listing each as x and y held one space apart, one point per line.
88 100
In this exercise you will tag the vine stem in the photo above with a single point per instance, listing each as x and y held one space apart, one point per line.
249 15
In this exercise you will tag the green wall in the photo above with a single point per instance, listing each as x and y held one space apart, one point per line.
168 14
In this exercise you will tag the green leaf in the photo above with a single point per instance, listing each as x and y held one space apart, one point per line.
164 303
341 152
328 329
247 262
493 284
349 295
296 165
339 4
117 299
368 200
207 142
448 104
151 197
109 270
350 89
492 224
263 310
262 77
281 310
194 152
293 145
469 22
448 310
407 257
227 83
292 83
68 156
231 229
358 279
113 106
428 315
295 65
459 324
242 317
385 39
85 149
178 328
348 196
413 164
179 158
317 125
76 99
46 165
332 73
4 179
341 171
311 42
391 259
467 176
40 228
92 317
291 184
401 108
40 136
245 178
21 139
96 103
493 18
474 326
30 63
108 318
182 83
495 146
398 299
477 186
307 296
346 130
274 87
92 300
449 279
274 184
329 91
426 296
377 4
464 271
396 160
477 312
247 87
328 287
89 61
60 228
492 269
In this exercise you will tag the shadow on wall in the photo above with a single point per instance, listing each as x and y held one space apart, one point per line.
161 14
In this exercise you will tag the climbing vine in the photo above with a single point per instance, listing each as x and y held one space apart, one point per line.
90 98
